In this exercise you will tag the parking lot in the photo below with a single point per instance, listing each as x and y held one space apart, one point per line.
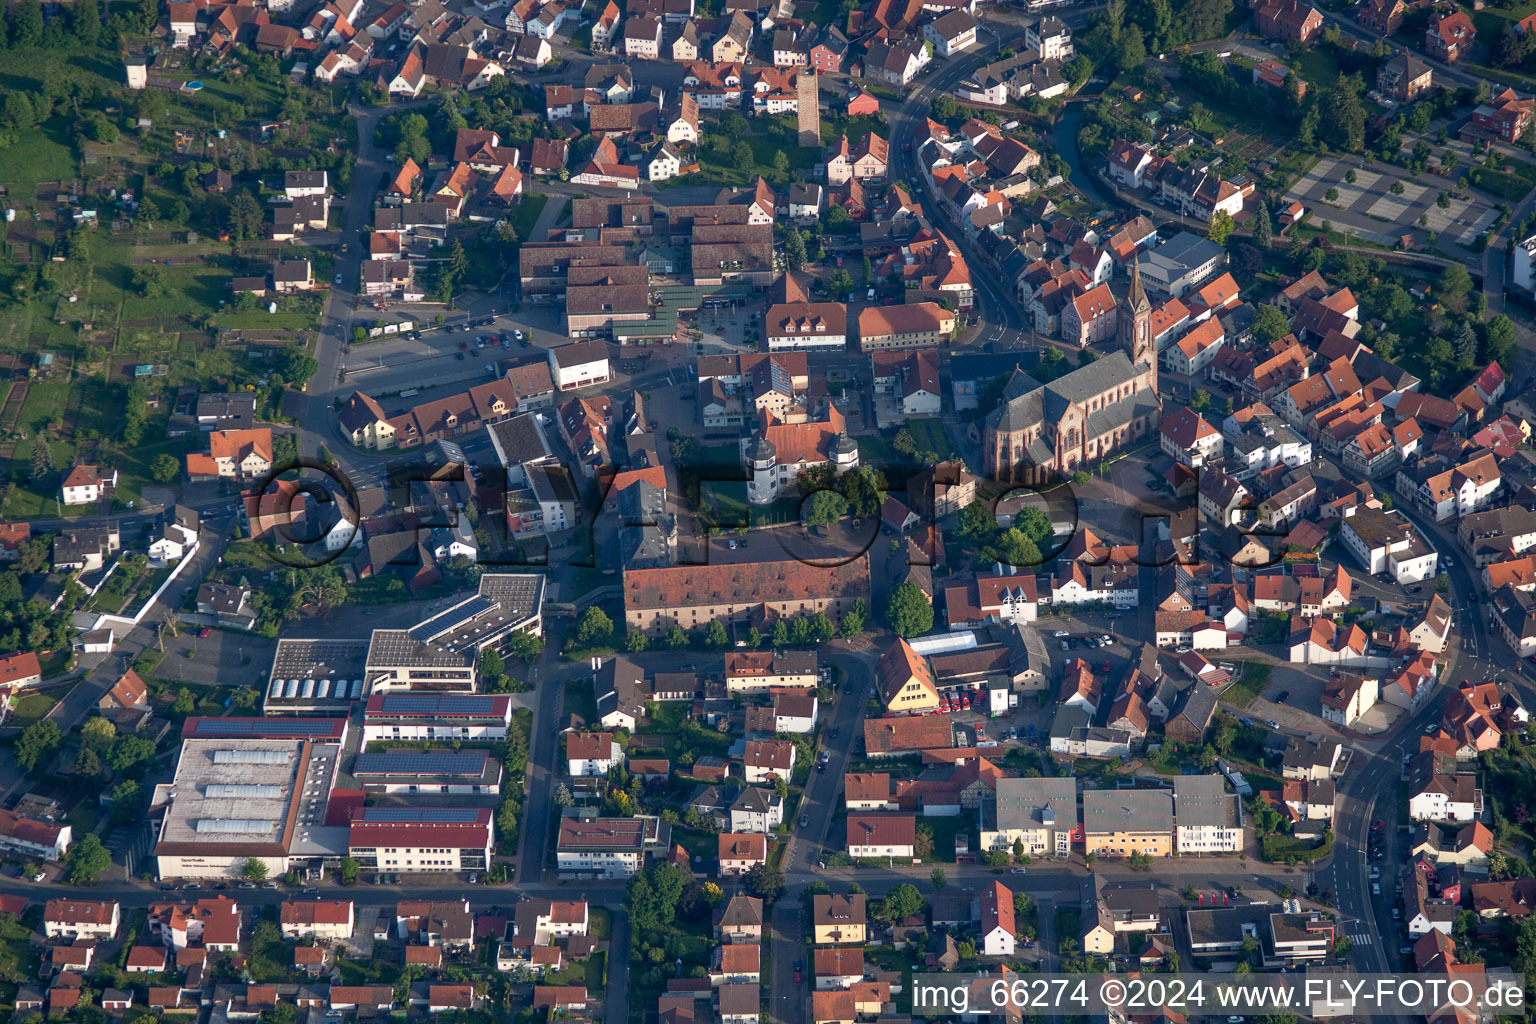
1368 209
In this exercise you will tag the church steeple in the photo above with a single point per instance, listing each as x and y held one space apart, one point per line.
1136 324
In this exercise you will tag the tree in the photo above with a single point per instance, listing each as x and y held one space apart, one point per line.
765 882
906 900
128 752
1453 287
715 637
36 744
347 870
87 860
85 19
1263 229
1269 324
255 870
165 468
185 703
854 619
1132 51
1200 401
1465 344
938 878
840 284
636 640
794 249
526 647
742 157
1221 227
245 217
780 161
945 108
125 798
594 628
97 734
676 639
27 25
909 611
87 763
826 507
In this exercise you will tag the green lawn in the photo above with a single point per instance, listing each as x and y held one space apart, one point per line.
40 154
1249 685
1511 183
670 721
31 708
930 436
528 211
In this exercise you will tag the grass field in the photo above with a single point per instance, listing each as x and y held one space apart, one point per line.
528 212
30 708
930 437
1510 184
42 154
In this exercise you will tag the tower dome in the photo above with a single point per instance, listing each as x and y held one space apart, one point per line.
761 453
845 453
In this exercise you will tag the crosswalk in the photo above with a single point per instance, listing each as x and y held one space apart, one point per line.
1361 939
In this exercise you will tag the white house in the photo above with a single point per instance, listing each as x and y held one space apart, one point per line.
951 33
86 485
882 836
81 919
997 920
1439 791
177 534
591 753
580 364
766 759
1385 542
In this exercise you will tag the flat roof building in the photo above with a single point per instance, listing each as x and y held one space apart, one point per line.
421 838
439 770
441 652
315 677
235 800
433 716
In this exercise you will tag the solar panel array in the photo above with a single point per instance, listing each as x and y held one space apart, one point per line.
230 728
445 704
423 815
432 762
444 621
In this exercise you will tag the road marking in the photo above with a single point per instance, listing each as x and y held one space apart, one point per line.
1361 939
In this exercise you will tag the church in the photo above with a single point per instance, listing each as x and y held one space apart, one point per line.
1083 416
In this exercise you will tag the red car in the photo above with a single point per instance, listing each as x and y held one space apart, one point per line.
204 632
1378 825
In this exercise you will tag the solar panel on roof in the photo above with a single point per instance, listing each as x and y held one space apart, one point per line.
230 728
421 703
452 617
432 815
434 762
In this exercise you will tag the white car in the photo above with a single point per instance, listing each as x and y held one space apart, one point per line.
1019 871
1060 633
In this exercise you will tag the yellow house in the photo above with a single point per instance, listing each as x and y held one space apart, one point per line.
1099 935
1120 822
364 422
733 46
838 920
905 679
686 45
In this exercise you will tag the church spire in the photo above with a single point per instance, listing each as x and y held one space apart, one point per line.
1136 325
1137 299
